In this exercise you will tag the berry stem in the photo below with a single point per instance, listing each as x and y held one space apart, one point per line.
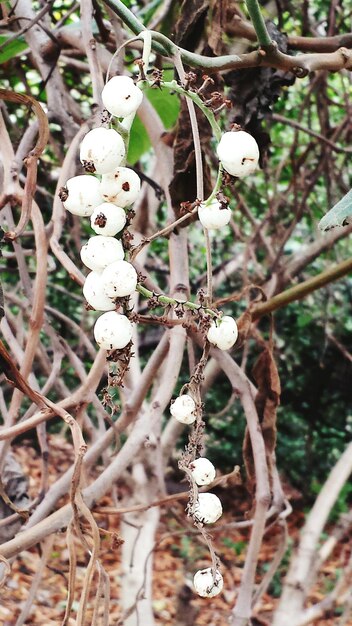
300 64
199 171
147 48
217 186
195 130
117 52
209 266
163 299
161 233
174 86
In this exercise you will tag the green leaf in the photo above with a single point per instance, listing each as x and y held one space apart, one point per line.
12 48
167 106
139 142
339 213
303 320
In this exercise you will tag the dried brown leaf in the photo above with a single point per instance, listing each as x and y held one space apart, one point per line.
190 24
266 376
217 25
244 323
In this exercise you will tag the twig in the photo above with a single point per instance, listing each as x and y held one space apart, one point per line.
339 346
71 572
83 393
302 570
130 411
285 120
243 609
263 36
46 547
32 158
279 554
46 8
90 45
303 289
161 233
167 499
38 301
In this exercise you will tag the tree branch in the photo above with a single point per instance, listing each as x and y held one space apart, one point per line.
303 289
300 65
302 569
263 36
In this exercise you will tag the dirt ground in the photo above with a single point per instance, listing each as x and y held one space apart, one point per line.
177 556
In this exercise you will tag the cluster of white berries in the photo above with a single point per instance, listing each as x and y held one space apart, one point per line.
207 509
238 153
104 199
103 195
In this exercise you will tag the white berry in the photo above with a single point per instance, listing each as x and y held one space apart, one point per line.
119 279
94 293
100 251
121 186
223 333
183 409
238 152
102 150
108 219
207 509
121 96
214 215
205 585
203 471
82 195
112 331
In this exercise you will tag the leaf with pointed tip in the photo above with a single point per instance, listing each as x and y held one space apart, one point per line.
11 49
339 214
